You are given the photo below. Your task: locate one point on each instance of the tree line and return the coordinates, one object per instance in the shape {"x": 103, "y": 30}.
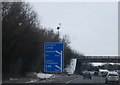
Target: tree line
{"x": 23, "y": 40}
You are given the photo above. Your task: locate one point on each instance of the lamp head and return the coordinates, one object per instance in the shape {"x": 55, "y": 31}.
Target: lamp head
{"x": 58, "y": 28}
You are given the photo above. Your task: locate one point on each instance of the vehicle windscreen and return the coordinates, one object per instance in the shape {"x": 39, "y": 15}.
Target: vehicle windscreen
{"x": 112, "y": 75}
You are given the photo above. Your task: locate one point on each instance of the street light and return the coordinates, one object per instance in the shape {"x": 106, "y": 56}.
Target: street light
{"x": 58, "y": 29}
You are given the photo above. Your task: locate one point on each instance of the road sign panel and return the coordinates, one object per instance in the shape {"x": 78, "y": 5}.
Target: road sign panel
{"x": 53, "y": 57}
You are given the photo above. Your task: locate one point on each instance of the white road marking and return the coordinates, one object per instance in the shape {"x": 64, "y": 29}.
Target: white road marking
{"x": 71, "y": 80}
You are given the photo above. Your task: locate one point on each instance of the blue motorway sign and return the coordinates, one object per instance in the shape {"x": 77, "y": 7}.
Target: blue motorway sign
{"x": 53, "y": 57}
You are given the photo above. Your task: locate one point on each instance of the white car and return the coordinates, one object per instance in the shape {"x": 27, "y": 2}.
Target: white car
{"x": 112, "y": 77}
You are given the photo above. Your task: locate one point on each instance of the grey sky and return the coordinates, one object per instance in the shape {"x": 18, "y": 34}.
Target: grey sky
{"x": 92, "y": 27}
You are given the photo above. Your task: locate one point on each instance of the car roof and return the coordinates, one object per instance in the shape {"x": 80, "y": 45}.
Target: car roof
{"x": 103, "y": 70}
{"x": 112, "y": 72}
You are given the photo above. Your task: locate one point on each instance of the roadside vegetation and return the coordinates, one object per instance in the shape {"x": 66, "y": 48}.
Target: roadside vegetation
{"x": 23, "y": 39}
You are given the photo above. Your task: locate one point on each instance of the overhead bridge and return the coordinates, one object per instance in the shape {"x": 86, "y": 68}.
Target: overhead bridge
{"x": 112, "y": 59}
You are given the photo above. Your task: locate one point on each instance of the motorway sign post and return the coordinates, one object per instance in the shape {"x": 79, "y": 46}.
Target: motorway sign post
{"x": 53, "y": 57}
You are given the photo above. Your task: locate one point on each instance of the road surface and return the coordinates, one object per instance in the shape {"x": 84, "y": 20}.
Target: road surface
{"x": 76, "y": 79}
{"x": 95, "y": 79}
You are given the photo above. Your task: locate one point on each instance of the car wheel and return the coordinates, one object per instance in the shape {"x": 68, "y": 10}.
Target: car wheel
{"x": 106, "y": 82}
{"x": 117, "y": 82}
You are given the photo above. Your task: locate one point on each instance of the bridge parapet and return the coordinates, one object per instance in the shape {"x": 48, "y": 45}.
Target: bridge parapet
{"x": 98, "y": 57}
{"x": 102, "y": 57}
{"x": 114, "y": 59}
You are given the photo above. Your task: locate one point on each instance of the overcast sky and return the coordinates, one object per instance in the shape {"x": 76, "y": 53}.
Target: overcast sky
{"x": 92, "y": 27}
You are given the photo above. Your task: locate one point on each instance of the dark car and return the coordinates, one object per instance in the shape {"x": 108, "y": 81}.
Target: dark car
{"x": 96, "y": 73}
{"x": 87, "y": 75}
{"x": 104, "y": 74}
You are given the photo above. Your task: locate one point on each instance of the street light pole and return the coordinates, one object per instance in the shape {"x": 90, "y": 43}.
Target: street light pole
{"x": 58, "y": 28}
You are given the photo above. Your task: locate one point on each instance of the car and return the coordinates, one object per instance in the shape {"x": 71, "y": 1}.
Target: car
{"x": 112, "y": 77}
{"x": 104, "y": 74}
{"x": 96, "y": 73}
{"x": 87, "y": 75}
{"x": 118, "y": 71}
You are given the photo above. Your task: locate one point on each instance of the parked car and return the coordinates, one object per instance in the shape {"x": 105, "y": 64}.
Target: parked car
{"x": 112, "y": 77}
{"x": 87, "y": 75}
